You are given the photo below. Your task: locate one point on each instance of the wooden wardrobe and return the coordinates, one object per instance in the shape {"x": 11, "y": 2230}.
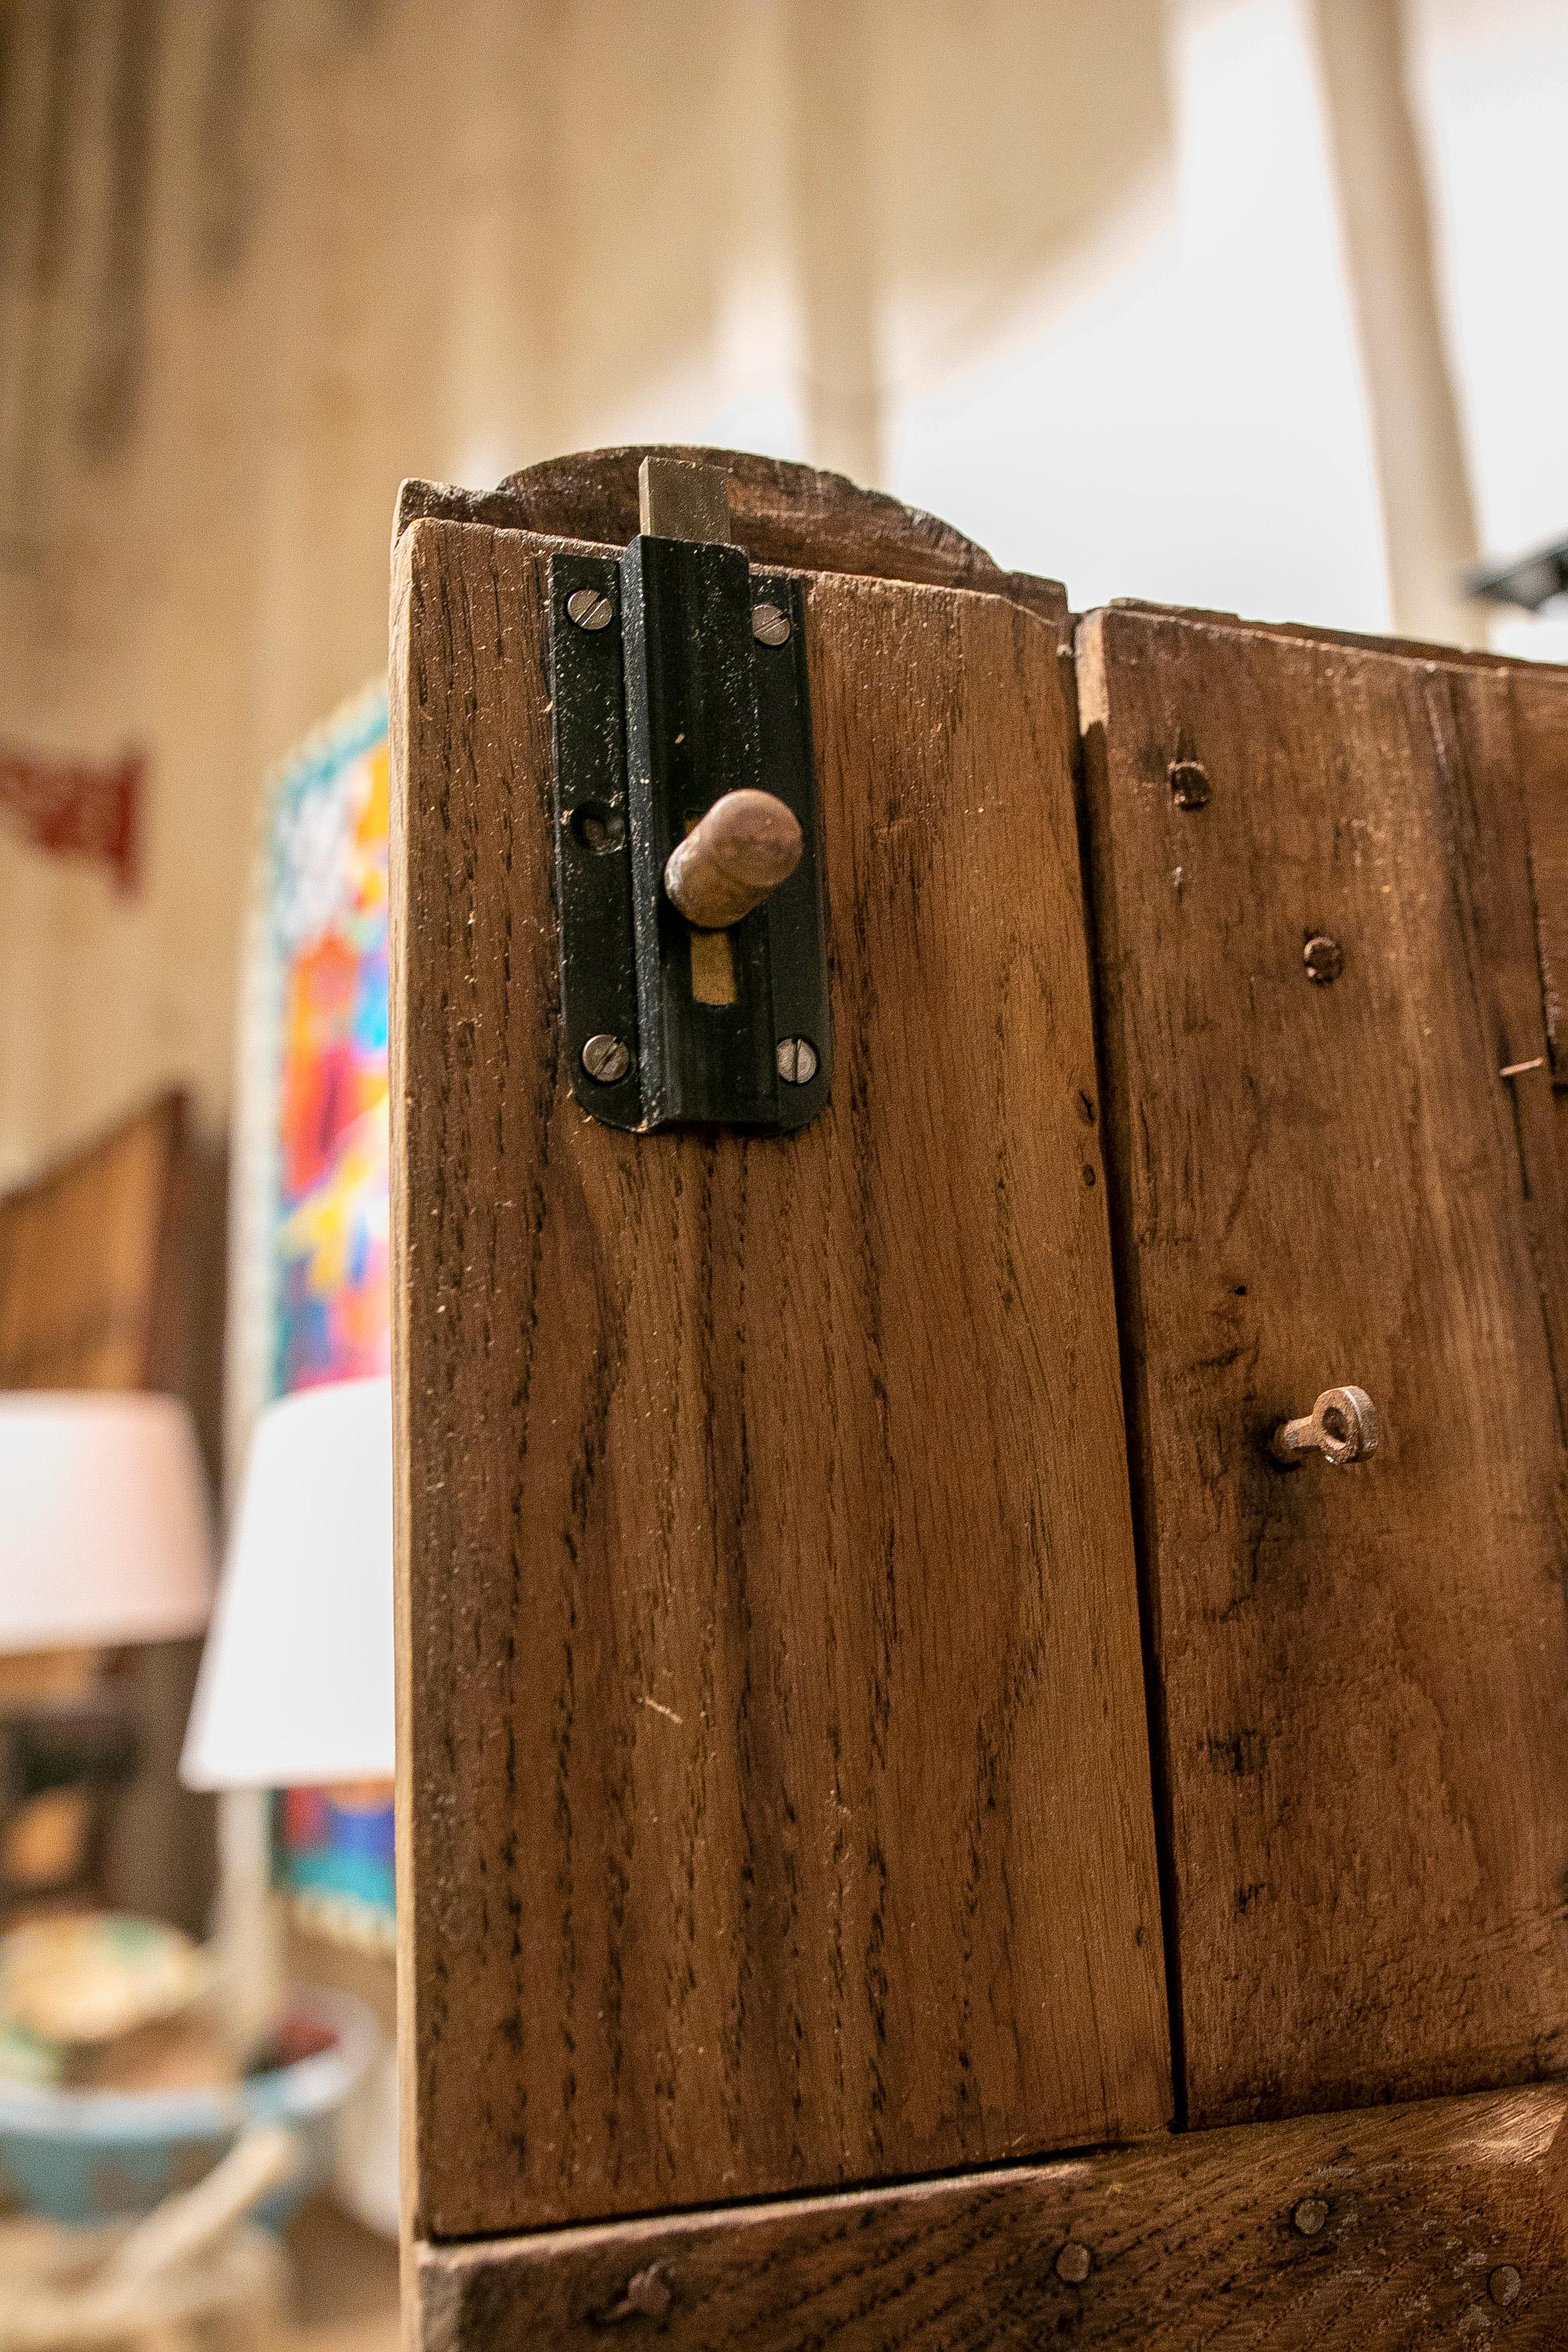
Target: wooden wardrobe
{"x": 925, "y": 1821}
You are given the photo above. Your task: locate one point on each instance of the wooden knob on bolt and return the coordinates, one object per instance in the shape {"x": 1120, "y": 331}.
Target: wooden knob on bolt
{"x": 748, "y": 843}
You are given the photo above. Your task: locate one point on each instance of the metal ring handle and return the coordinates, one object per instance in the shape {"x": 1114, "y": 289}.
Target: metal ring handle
{"x": 1343, "y": 1427}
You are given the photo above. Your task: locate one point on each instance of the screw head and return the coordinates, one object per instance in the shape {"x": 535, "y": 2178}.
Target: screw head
{"x": 796, "y": 1061}
{"x": 1324, "y": 959}
{"x": 1504, "y": 2283}
{"x": 1310, "y": 2215}
{"x": 769, "y": 625}
{"x": 590, "y": 608}
{"x": 606, "y": 1059}
{"x": 1074, "y": 2262}
{"x": 1189, "y": 781}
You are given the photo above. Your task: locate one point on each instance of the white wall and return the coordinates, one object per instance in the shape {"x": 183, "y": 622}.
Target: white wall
{"x": 1176, "y": 410}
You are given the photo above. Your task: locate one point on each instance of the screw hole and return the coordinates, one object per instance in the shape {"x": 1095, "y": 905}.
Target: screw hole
{"x": 599, "y": 828}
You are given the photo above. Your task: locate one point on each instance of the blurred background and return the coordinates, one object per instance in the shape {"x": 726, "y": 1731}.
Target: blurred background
{"x": 1252, "y": 304}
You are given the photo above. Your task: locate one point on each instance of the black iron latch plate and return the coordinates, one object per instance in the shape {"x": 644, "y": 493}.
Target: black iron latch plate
{"x": 668, "y": 700}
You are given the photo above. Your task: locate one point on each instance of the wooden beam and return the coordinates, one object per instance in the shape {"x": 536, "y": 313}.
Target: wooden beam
{"x": 1389, "y": 2231}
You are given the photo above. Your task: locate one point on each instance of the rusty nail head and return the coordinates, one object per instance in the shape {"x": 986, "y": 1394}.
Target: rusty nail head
{"x": 1324, "y": 958}
{"x": 590, "y": 608}
{"x": 1074, "y": 2262}
{"x": 770, "y": 626}
{"x": 1504, "y": 2283}
{"x": 648, "y": 2295}
{"x": 606, "y": 1059}
{"x": 1310, "y": 2215}
{"x": 1189, "y": 781}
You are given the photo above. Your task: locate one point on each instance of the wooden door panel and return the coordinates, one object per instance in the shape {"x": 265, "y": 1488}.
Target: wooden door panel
{"x": 775, "y": 1785}
{"x": 1362, "y": 1675}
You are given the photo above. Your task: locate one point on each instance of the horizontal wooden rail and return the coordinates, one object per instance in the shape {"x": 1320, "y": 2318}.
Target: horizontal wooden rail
{"x": 1393, "y": 2227}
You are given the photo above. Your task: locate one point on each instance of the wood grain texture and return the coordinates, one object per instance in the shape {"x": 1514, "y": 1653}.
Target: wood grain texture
{"x": 775, "y": 1800}
{"x": 1538, "y": 696}
{"x": 89, "y": 1277}
{"x": 1362, "y": 1675}
{"x": 1192, "y": 2247}
{"x": 780, "y": 512}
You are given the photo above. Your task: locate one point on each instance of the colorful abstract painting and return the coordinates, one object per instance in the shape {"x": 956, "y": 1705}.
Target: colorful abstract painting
{"x": 317, "y": 1121}
{"x": 329, "y": 852}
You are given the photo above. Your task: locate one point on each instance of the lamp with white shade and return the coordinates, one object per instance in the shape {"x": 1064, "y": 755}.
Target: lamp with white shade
{"x": 105, "y": 1538}
{"x": 296, "y": 1692}
{"x": 105, "y": 1542}
{"x": 296, "y": 1686}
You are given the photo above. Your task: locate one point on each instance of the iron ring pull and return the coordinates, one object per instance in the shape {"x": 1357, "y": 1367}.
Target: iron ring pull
{"x": 1343, "y": 1427}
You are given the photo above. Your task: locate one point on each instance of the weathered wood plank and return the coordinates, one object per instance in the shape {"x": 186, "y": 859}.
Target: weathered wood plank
{"x": 775, "y": 1805}
{"x": 1539, "y": 696}
{"x": 1362, "y": 1691}
{"x": 1391, "y": 2231}
{"x": 780, "y": 512}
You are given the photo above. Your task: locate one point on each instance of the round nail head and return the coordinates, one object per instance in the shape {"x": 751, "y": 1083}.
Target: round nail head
{"x": 1324, "y": 959}
{"x": 606, "y": 1059}
{"x": 1189, "y": 781}
{"x": 1504, "y": 2283}
{"x": 1074, "y": 2262}
{"x": 1310, "y": 2215}
{"x": 590, "y": 608}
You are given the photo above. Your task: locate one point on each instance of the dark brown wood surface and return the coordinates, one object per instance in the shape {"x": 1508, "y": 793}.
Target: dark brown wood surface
{"x": 781, "y": 513}
{"x": 1539, "y": 696}
{"x": 775, "y": 1790}
{"x": 1393, "y": 2231}
{"x": 1362, "y": 1675}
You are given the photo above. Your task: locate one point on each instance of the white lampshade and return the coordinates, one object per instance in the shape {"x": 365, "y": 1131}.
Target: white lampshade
{"x": 105, "y": 1536}
{"x": 296, "y": 1686}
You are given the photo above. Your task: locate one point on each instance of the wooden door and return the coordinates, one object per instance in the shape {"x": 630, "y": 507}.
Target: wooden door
{"x": 775, "y": 1808}
{"x": 1335, "y": 1162}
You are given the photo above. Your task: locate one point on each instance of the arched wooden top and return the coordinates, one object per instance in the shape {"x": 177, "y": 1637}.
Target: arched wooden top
{"x": 782, "y": 513}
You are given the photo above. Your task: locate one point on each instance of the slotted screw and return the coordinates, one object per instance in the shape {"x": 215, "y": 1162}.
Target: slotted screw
{"x": 769, "y": 625}
{"x": 590, "y": 608}
{"x": 797, "y": 1060}
{"x": 606, "y": 1059}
